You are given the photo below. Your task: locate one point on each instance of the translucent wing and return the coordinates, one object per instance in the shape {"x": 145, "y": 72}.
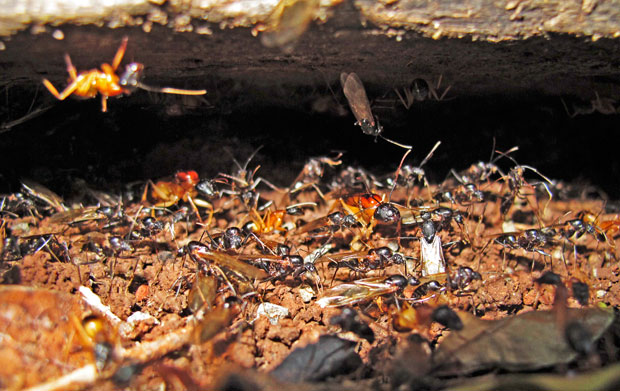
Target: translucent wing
{"x": 358, "y": 101}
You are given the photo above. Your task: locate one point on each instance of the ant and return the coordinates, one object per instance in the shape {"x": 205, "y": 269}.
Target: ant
{"x": 409, "y": 175}
{"x": 482, "y": 171}
{"x": 106, "y": 82}
{"x": 312, "y": 172}
{"x": 186, "y": 186}
{"x": 360, "y": 106}
{"x": 369, "y": 209}
{"x": 281, "y": 264}
{"x": 605, "y": 106}
{"x": 364, "y": 289}
{"x": 243, "y": 183}
{"x": 271, "y": 221}
{"x": 364, "y": 261}
{"x": 420, "y": 90}
{"x": 350, "y": 320}
{"x": 516, "y": 182}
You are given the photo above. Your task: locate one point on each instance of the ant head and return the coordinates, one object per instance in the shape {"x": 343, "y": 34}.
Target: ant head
{"x": 130, "y": 79}
{"x": 387, "y": 213}
{"x": 370, "y": 126}
{"x": 420, "y": 89}
{"x": 207, "y": 188}
{"x": 187, "y": 177}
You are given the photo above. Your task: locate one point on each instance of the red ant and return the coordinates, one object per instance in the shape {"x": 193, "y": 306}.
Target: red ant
{"x": 184, "y": 187}
{"x": 107, "y": 83}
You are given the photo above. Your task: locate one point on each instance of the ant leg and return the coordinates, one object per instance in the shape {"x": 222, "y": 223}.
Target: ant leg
{"x": 118, "y": 57}
{"x": 443, "y": 94}
{"x": 207, "y": 205}
{"x": 104, "y": 103}
{"x": 406, "y": 102}
{"x": 70, "y": 68}
{"x": 65, "y": 93}
{"x": 194, "y": 207}
{"x": 169, "y": 90}
{"x": 269, "y": 184}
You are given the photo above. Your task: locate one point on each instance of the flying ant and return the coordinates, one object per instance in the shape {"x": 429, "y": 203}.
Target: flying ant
{"x": 420, "y": 90}
{"x": 362, "y": 290}
{"x": 185, "y": 186}
{"x": 203, "y": 292}
{"x": 87, "y": 213}
{"x": 358, "y": 101}
{"x": 215, "y": 320}
{"x": 283, "y": 264}
{"x": 431, "y": 252}
{"x": 202, "y": 254}
{"x": 44, "y": 195}
{"x": 330, "y": 224}
{"x": 364, "y": 261}
{"x": 106, "y": 82}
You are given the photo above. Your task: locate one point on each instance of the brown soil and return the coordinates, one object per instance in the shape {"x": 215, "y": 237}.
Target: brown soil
{"x": 154, "y": 278}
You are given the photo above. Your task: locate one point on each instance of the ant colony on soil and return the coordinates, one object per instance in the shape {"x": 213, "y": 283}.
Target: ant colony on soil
{"x": 342, "y": 279}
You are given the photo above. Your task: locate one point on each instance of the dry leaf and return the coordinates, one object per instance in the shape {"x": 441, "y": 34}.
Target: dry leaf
{"x": 526, "y": 341}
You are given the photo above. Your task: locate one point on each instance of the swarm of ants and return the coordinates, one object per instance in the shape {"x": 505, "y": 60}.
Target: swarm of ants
{"x": 178, "y": 277}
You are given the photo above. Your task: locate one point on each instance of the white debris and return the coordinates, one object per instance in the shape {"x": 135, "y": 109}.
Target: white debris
{"x": 273, "y": 312}
{"x": 95, "y": 302}
{"x": 140, "y": 316}
{"x": 306, "y": 293}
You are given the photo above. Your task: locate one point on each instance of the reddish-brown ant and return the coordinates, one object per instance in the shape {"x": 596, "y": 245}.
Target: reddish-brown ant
{"x": 106, "y": 82}
{"x": 184, "y": 187}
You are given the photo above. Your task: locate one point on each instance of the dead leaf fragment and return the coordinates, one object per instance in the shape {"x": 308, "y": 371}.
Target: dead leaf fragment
{"x": 526, "y": 341}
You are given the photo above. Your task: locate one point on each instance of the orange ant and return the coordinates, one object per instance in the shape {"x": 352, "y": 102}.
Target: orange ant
{"x": 271, "y": 221}
{"x": 183, "y": 187}
{"x": 107, "y": 83}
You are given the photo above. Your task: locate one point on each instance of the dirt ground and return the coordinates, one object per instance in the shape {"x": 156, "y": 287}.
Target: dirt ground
{"x": 171, "y": 277}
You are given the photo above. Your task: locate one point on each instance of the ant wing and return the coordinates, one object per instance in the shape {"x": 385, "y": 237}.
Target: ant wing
{"x": 358, "y": 101}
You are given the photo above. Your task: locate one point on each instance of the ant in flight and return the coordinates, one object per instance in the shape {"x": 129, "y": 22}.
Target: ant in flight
{"x": 106, "y": 82}
{"x": 360, "y": 106}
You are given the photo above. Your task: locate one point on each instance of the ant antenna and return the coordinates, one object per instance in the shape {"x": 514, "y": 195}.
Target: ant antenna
{"x": 430, "y": 154}
{"x": 398, "y": 172}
